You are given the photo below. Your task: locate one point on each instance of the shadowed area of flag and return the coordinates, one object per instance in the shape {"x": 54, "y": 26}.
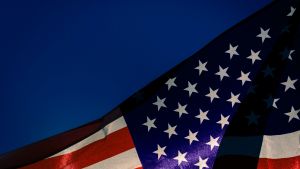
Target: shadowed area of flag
{"x": 263, "y": 133}
{"x": 233, "y": 104}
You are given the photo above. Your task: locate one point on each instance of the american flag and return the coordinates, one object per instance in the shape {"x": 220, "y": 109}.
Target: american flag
{"x": 233, "y": 104}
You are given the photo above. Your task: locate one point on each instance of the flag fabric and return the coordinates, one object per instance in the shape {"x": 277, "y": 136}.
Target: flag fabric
{"x": 233, "y": 104}
{"x": 110, "y": 147}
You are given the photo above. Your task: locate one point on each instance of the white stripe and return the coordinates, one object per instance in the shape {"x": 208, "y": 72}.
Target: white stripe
{"x": 126, "y": 160}
{"x": 281, "y": 146}
{"x": 108, "y": 129}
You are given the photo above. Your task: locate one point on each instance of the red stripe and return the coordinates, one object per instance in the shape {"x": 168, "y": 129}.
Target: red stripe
{"x": 289, "y": 163}
{"x": 115, "y": 143}
{"x": 47, "y": 147}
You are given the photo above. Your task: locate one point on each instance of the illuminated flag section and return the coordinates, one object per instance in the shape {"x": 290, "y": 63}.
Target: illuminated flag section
{"x": 233, "y": 104}
{"x": 110, "y": 147}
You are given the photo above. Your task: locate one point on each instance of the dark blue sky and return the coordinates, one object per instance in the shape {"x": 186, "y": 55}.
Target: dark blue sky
{"x": 66, "y": 63}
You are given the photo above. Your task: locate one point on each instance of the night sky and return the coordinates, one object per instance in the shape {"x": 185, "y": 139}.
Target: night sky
{"x": 66, "y": 63}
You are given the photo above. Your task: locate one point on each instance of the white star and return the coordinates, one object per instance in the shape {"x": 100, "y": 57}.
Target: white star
{"x": 171, "y": 82}
{"x": 290, "y": 54}
{"x": 181, "y": 109}
{"x": 244, "y": 77}
{"x": 180, "y": 157}
{"x": 289, "y": 84}
{"x": 201, "y": 67}
{"x": 171, "y": 130}
{"x": 202, "y": 163}
{"x": 223, "y": 121}
{"x": 222, "y": 73}
{"x": 292, "y": 11}
{"x": 274, "y": 103}
{"x": 160, "y": 151}
{"x": 234, "y": 99}
{"x": 232, "y": 51}
{"x": 160, "y": 103}
{"x": 150, "y": 123}
{"x": 191, "y": 88}
{"x": 202, "y": 116}
{"x": 263, "y": 34}
{"x": 293, "y": 114}
{"x": 254, "y": 56}
{"x": 213, "y": 142}
{"x": 212, "y": 94}
{"x": 192, "y": 137}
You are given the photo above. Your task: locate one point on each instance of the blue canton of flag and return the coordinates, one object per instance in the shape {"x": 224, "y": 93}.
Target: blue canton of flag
{"x": 182, "y": 121}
